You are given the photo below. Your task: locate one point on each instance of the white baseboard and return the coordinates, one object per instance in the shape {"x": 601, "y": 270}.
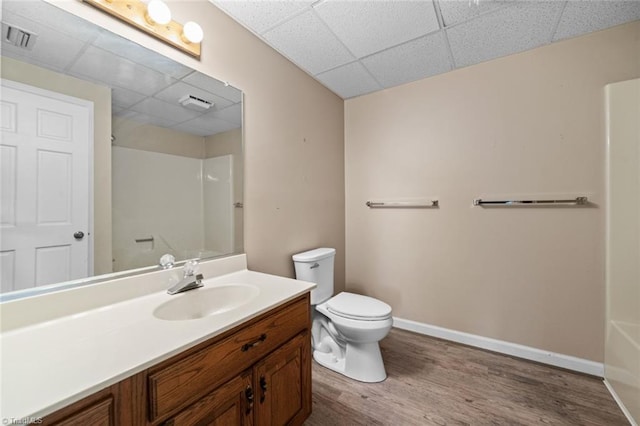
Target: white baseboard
{"x": 620, "y": 404}
{"x": 551, "y": 358}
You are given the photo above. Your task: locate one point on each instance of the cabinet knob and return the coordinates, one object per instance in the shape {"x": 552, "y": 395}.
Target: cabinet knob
{"x": 248, "y": 393}
{"x": 263, "y": 387}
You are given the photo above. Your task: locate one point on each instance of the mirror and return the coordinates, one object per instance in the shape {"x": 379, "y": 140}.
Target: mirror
{"x": 112, "y": 155}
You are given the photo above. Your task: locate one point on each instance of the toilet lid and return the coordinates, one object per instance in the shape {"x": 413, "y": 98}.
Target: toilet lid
{"x": 359, "y": 307}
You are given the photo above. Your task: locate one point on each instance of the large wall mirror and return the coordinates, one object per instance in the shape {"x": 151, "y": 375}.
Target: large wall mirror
{"x": 111, "y": 155}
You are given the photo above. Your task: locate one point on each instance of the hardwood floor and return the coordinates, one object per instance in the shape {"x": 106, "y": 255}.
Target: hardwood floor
{"x": 436, "y": 382}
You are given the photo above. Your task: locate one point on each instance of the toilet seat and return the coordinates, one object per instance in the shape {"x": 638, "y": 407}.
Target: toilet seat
{"x": 358, "y": 307}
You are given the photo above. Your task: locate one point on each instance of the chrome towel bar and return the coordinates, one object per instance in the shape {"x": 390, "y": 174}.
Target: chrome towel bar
{"x": 578, "y": 201}
{"x": 402, "y": 204}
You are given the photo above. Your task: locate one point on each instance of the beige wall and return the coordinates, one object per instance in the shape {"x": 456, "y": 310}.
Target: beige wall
{"x": 231, "y": 143}
{"x": 622, "y": 343}
{"x": 224, "y": 143}
{"x": 528, "y": 125}
{"x": 101, "y": 98}
{"x": 147, "y": 137}
{"x": 293, "y": 135}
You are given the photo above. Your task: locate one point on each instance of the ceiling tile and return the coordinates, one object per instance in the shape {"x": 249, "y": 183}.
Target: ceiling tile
{"x": 116, "y": 71}
{"x": 476, "y": 31}
{"x": 214, "y": 86}
{"x": 308, "y": 43}
{"x": 53, "y": 49}
{"x": 150, "y": 59}
{"x": 261, "y": 16}
{"x": 232, "y": 114}
{"x": 140, "y": 119}
{"x": 366, "y": 27}
{"x": 174, "y": 93}
{"x": 54, "y": 18}
{"x": 580, "y": 17}
{"x": 411, "y": 61}
{"x": 349, "y": 80}
{"x": 129, "y": 115}
{"x": 510, "y": 30}
{"x": 457, "y": 11}
{"x": 158, "y": 121}
{"x": 125, "y": 98}
{"x": 169, "y": 112}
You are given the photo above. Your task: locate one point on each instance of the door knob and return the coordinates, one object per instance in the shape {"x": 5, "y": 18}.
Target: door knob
{"x": 78, "y": 235}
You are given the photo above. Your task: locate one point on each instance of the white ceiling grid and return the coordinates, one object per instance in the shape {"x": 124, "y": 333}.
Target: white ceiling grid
{"x": 145, "y": 86}
{"x": 356, "y": 47}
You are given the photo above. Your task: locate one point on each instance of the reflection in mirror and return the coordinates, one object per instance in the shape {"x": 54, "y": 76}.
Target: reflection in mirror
{"x": 112, "y": 155}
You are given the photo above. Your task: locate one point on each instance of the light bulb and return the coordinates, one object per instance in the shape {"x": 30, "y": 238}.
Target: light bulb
{"x": 158, "y": 12}
{"x": 192, "y": 32}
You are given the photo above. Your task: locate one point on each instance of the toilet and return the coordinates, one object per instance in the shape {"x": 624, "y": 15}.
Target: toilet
{"x": 347, "y": 327}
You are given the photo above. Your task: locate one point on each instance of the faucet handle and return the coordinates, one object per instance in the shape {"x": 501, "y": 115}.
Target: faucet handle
{"x": 190, "y": 268}
{"x": 167, "y": 261}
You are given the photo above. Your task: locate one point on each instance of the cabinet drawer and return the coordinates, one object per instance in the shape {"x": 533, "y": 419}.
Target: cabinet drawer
{"x": 177, "y": 383}
{"x": 227, "y": 405}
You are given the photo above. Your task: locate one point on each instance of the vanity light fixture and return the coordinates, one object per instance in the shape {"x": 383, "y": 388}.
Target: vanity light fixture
{"x": 154, "y": 18}
{"x": 158, "y": 13}
{"x": 192, "y": 32}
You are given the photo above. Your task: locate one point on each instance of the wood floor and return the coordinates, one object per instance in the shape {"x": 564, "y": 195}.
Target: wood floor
{"x": 436, "y": 382}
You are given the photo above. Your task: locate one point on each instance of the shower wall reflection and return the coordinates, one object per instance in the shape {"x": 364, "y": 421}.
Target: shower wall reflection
{"x": 174, "y": 193}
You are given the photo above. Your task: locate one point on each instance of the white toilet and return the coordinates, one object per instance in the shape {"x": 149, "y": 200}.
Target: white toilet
{"x": 347, "y": 327}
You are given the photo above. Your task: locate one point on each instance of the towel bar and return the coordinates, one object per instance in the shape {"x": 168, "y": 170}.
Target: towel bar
{"x": 579, "y": 201}
{"x": 402, "y": 204}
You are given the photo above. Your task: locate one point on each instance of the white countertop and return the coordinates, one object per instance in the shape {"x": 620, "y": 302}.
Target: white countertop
{"x": 51, "y": 364}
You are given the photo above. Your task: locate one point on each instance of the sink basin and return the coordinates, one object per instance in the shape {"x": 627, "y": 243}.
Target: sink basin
{"x": 205, "y": 302}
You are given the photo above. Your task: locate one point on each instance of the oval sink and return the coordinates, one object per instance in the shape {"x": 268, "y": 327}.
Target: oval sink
{"x": 204, "y": 302}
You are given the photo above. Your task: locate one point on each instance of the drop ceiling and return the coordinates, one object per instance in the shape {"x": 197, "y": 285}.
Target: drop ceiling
{"x": 145, "y": 86}
{"x": 355, "y": 47}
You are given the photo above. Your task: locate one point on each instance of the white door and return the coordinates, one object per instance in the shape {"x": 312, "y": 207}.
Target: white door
{"x": 45, "y": 156}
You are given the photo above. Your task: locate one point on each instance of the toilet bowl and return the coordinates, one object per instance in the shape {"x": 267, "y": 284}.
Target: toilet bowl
{"x": 347, "y": 327}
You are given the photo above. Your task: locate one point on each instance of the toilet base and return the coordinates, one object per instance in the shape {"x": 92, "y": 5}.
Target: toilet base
{"x": 363, "y": 362}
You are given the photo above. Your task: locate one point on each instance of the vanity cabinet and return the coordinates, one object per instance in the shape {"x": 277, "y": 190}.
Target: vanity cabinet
{"x": 270, "y": 393}
{"x": 281, "y": 383}
{"x": 258, "y": 373}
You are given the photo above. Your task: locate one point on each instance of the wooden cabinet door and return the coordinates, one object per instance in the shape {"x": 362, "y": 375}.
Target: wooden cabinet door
{"x": 99, "y": 409}
{"x": 282, "y": 382}
{"x": 231, "y": 404}
{"x": 98, "y": 414}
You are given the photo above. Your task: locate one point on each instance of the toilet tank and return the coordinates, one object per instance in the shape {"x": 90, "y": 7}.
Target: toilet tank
{"x": 316, "y": 266}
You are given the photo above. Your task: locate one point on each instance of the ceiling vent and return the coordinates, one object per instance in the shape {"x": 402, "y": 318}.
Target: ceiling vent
{"x": 195, "y": 103}
{"x": 18, "y": 37}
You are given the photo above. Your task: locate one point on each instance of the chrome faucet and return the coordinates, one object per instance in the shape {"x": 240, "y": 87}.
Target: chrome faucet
{"x": 190, "y": 279}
